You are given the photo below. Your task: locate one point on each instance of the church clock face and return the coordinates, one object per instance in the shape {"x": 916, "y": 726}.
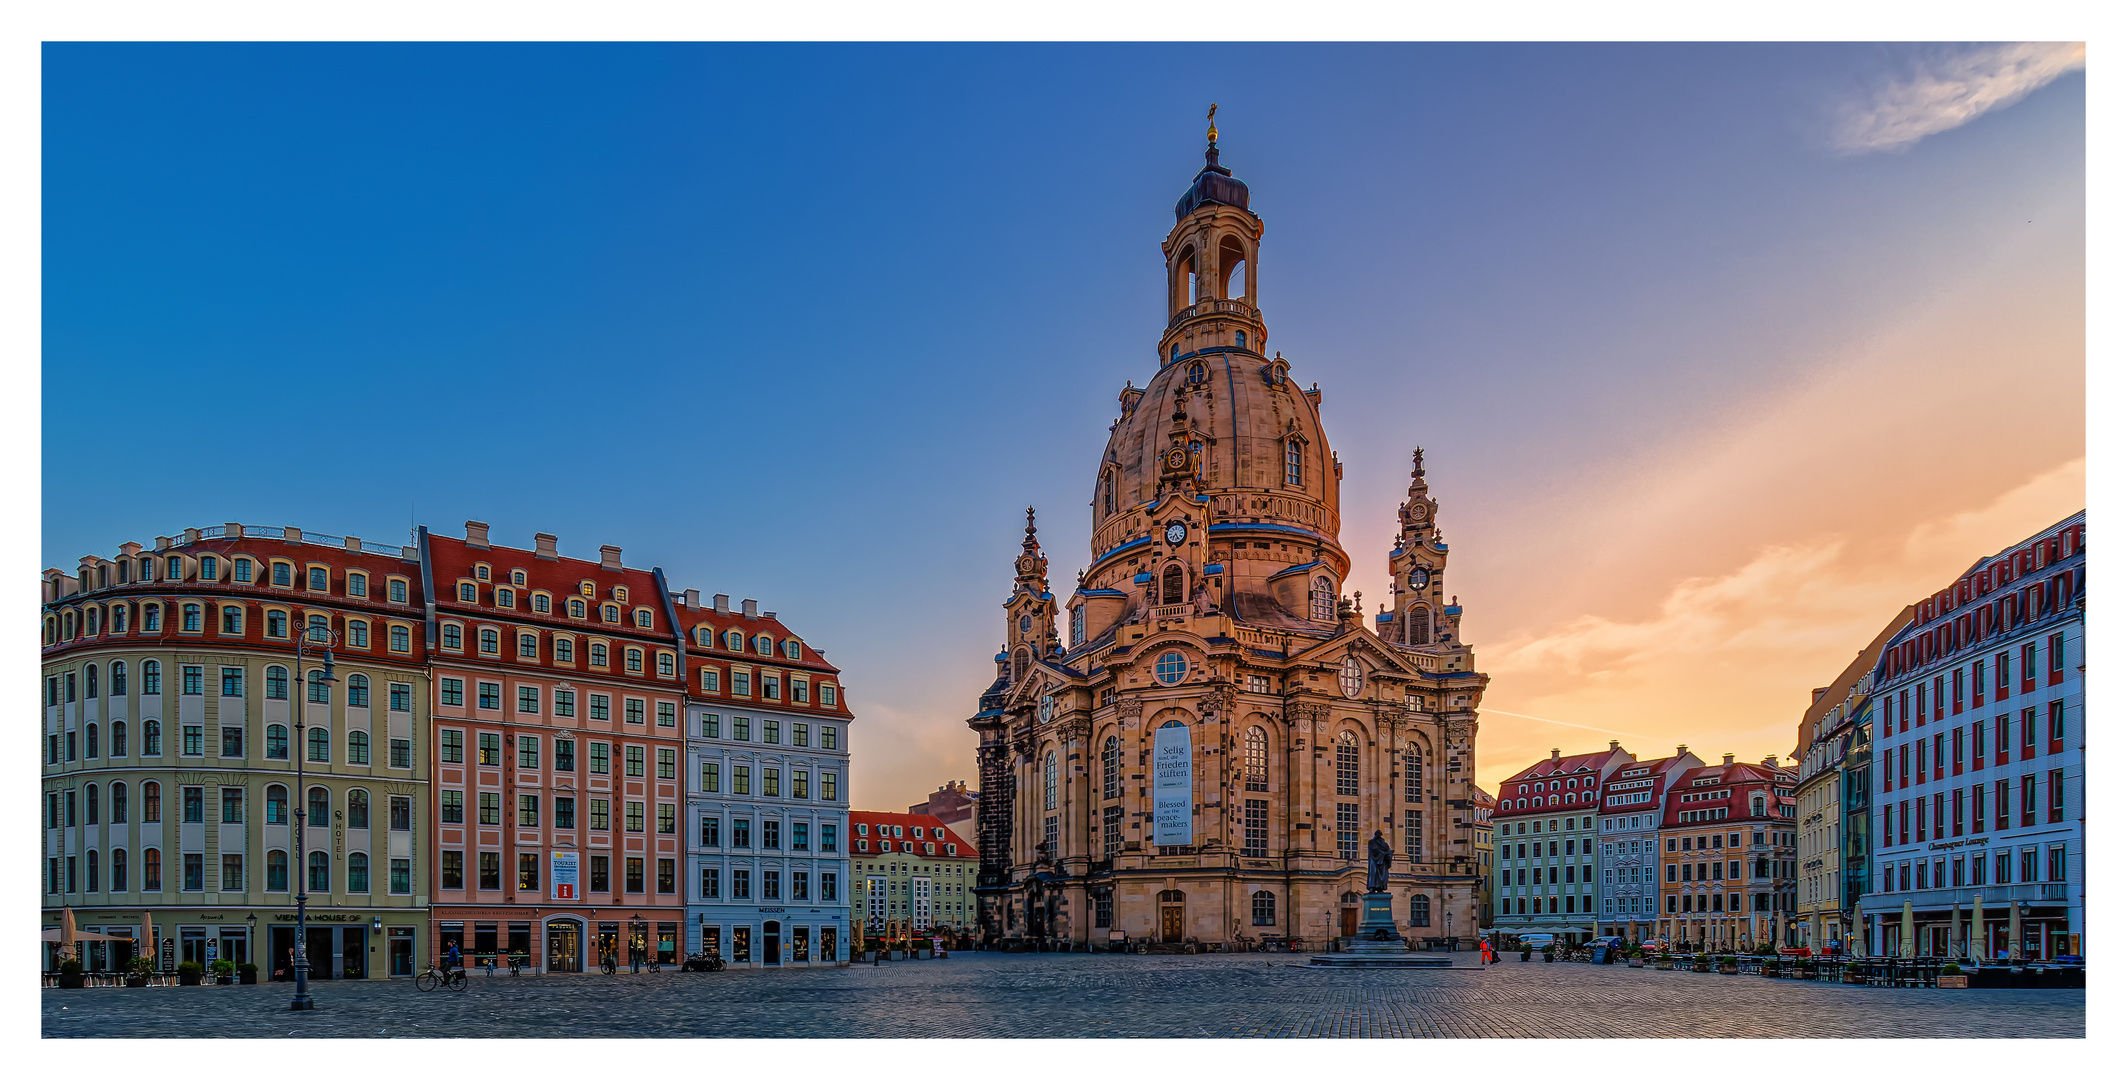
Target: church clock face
{"x": 1419, "y": 577}
{"x": 1026, "y": 623}
{"x": 1177, "y": 459}
{"x": 1176, "y": 533}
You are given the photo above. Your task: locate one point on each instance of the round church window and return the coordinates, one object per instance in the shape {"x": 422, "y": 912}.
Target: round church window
{"x": 1170, "y": 668}
{"x": 1351, "y": 680}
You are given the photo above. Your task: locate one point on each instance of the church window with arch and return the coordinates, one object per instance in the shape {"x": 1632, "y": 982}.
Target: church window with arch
{"x": 1413, "y": 774}
{"x": 1171, "y": 585}
{"x": 1347, "y": 764}
{"x": 1255, "y": 760}
{"x": 1321, "y": 601}
{"x": 1292, "y": 461}
{"x": 1351, "y": 678}
{"x": 1111, "y": 769}
{"x": 1048, "y": 781}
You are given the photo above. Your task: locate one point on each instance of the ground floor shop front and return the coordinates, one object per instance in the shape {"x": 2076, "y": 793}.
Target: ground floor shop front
{"x": 1740, "y": 930}
{"x": 2007, "y": 929}
{"x": 748, "y": 935}
{"x": 340, "y": 943}
{"x": 551, "y": 940}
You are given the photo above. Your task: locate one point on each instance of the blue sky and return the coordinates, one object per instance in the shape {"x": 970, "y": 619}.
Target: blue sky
{"x": 812, "y": 323}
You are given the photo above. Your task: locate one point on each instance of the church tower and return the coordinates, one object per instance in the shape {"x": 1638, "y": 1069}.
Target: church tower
{"x": 1208, "y": 749}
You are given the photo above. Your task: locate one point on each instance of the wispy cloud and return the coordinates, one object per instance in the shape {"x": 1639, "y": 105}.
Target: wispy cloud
{"x": 1948, "y": 89}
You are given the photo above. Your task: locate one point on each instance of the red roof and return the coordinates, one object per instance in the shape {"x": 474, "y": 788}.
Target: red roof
{"x": 1585, "y": 771}
{"x": 934, "y": 832}
{"x": 1737, "y": 782}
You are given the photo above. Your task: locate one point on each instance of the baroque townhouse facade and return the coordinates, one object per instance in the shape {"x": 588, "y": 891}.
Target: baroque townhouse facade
{"x": 1978, "y": 762}
{"x": 1631, "y": 842}
{"x": 1544, "y": 836}
{"x": 915, "y": 878}
{"x": 174, "y": 723}
{"x": 1728, "y": 856}
{"x": 1826, "y": 886}
{"x": 1208, "y": 753}
{"x": 557, "y": 744}
{"x": 768, "y": 732}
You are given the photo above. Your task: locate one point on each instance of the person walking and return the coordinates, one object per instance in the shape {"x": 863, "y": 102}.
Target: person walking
{"x": 451, "y": 961}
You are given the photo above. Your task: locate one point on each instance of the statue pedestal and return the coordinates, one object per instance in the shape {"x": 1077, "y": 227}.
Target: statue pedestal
{"x": 1377, "y": 944}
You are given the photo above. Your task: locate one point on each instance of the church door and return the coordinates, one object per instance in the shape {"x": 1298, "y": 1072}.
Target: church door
{"x": 1351, "y": 922}
{"x": 1171, "y": 901}
{"x": 1170, "y": 924}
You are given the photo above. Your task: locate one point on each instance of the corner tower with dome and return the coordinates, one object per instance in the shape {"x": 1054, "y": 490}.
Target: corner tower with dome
{"x": 1203, "y": 751}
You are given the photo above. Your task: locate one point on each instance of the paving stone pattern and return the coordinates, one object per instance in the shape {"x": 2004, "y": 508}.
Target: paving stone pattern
{"x": 987, "y": 995}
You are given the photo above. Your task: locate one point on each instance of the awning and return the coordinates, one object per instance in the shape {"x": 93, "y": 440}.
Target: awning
{"x": 53, "y": 934}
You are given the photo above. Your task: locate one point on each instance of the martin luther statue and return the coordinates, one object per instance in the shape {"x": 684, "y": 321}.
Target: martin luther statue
{"x": 1378, "y": 856}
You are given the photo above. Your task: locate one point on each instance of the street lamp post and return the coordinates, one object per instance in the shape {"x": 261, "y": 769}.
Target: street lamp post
{"x": 324, "y": 638}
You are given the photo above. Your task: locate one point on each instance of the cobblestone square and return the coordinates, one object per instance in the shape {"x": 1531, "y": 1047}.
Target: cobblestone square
{"x": 986, "y": 995}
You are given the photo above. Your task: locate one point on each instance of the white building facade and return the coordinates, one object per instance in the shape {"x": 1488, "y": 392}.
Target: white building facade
{"x": 767, "y": 794}
{"x": 1979, "y": 762}
{"x": 1631, "y": 842}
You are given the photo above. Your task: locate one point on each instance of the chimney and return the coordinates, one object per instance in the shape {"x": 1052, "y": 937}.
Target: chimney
{"x": 291, "y": 534}
{"x": 721, "y": 603}
{"x": 608, "y": 557}
{"x": 476, "y": 534}
{"x": 1613, "y": 744}
{"x": 1728, "y": 759}
{"x": 1554, "y": 753}
{"x": 694, "y": 598}
{"x": 768, "y": 614}
{"x": 354, "y": 543}
{"x": 232, "y": 531}
{"x": 1771, "y": 762}
{"x": 543, "y": 546}
{"x": 750, "y": 608}
{"x": 1681, "y": 749}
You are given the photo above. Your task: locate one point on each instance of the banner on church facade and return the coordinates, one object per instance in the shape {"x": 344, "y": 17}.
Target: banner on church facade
{"x": 1171, "y": 785}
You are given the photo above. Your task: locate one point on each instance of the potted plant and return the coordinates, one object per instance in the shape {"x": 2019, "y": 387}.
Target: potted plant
{"x": 1953, "y": 977}
{"x": 188, "y": 973}
{"x": 1702, "y": 962}
{"x": 1635, "y": 957}
{"x": 1549, "y": 950}
{"x": 1855, "y": 972}
{"x": 224, "y": 972}
{"x": 1728, "y": 964}
{"x": 138, "y": 971}
{"x": 247, "y": 974}
{"x": 1525, "y": 950}
{"x": 70, "y": 976}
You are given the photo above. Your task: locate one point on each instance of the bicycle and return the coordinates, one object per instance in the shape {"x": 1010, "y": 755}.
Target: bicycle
{"x": 703, "y": 961}
{"x": 608, "y": 964}
{"x": 432, "y": 978}
{"x": 517, "y": 963}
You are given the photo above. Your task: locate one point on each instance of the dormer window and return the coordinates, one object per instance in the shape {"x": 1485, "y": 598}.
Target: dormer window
{"x": 542, "y": 604}
{"x": 620, "y": 593}
{"x": 642, "y": 618}
{"x": 320, "y": 579}
{"x": 610, "y": 612}
{"x": 517, "y": 577}
{"x": 734, "y": 641}
{"x": 505, "y": 598}
{"x": 1292, "y": 461}
{"x": 576, "y": 608}
{"x": 480, "y": 571}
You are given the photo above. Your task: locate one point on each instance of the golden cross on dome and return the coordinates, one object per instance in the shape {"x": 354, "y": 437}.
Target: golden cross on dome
{"x": 1213, "y": 117}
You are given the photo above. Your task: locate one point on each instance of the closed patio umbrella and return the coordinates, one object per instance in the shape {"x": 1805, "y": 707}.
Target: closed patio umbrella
{"x": 1978, "y": 941}
{"x": 1905, "y": 931}
{"x": 2016, "y": 932}
{"x": 67, "y": 948}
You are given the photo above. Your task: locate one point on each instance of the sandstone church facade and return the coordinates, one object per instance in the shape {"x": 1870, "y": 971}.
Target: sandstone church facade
{"x": 1198, "y": 743}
